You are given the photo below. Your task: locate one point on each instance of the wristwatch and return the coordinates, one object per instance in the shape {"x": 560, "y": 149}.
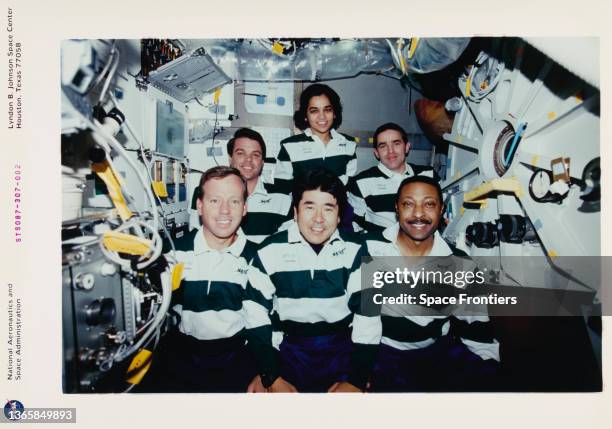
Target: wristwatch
{"x": 267, "y": 380}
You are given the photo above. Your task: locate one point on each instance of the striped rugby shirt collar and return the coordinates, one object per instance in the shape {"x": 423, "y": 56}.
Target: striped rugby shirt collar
{"x": 200, "y": 245}
{"x": 440, "y": 247}
{"x": 259, "y": 189}
{"x": 336, "y": 137}
{"x": 409, "y": 172}
{"x": 295, "y": 236}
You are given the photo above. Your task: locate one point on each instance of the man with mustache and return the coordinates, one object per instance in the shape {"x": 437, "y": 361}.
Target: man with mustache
{"x": 372, "y": 192}
{"x": 428, "y": 352}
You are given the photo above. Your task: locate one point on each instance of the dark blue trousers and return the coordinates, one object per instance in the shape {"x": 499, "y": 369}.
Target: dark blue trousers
{"x": 313, "y": 364}
{"x": 445, "y": 366}
{"x": 185, "y": 364}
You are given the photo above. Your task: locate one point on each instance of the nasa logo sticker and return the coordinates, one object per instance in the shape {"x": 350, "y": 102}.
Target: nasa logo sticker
{"x": 13, "y": 405}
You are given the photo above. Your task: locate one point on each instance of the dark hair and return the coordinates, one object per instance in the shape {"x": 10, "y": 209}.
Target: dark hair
{"x": 219, "y": 172}
{"x": 419, "y": 179}
{"x": 323, "y": 180}
{"x": 386, "y": 127}
{"x": 317, "y": 89}
{"x": 249, "y": 134}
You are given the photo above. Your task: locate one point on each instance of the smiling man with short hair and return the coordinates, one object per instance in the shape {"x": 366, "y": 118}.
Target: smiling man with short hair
{"x": 207, "y": 351}
{"x": 372, "y": 192}
{"x": 428, "y": 352}
{"x": 311, "y": 273}
{"x": 267, "y": 209}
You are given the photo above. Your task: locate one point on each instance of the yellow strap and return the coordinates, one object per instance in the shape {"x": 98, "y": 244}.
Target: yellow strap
{"x": 126, "y": 243}
{"x": 160, "y": 189}
{"x": 481, "y": 201}
{"x": 177, "y": 275}
{"x": 217, "y": 95}
{"x": 413, "y": 45}
{"x": 505, "y": 185}
{"x": 277, "y": 48}
{"x": 139, "y": 366}
{"x": 110, "y": 178}
{"x": 468, "y": 86}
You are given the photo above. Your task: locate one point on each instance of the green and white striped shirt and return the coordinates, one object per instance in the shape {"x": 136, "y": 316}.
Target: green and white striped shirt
{"x": 372, "y": 194}
{"x": 306, "y": 151}
{"x": 417, "y": 332}
{"x": 317, "y": 294}
{"x": 267, "y": 210}
{"x": 215, "y": 295}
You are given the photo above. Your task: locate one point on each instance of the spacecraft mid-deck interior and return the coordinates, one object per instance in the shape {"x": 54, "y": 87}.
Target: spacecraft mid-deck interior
{"x": 511, "y": 126}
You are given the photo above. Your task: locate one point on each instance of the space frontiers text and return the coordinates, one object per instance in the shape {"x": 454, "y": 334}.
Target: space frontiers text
{"x": 440, "y": 280}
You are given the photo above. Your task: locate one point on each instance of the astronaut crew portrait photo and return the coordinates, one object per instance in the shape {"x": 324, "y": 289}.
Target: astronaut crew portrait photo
{"x": 220, "y": 199}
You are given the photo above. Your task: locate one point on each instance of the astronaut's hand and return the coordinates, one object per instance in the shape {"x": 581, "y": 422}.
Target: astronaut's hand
{"x": 343, "y": 387}
{"x": 256, "y": 386}
{"x": 282, "y": 386}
